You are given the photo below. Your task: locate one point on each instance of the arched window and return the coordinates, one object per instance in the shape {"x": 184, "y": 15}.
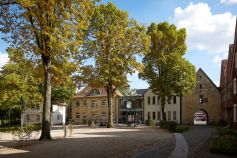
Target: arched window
{"x": 94, "y": 92}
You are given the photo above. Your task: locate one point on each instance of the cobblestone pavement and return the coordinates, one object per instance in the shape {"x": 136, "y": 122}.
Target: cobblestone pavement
{"x": 198, "y": 139}
{"x": 142, "y": 142}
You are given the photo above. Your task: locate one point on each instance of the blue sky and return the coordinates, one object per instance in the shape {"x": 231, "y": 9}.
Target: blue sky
{"x": 210, "y": 28}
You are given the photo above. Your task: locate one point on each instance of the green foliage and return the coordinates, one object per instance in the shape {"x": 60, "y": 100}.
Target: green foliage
{"x": 226, "y": 143}
{"x": 52, "y": 31}
{"x": 112, "y": 42}
{"x": 170, "y": 125}
{"x": 181, "y": 128}
{"x": 91, "y": 123}
{"x": 165, "y": 69}
{"x": 20, "y": 85}
{"x": 150, "y": 123}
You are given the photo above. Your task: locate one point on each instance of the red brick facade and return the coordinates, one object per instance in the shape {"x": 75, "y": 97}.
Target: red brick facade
{"x": 228, "y": 84}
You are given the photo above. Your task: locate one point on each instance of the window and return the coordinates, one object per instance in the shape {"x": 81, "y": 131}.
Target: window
{"x": 154, "y": 100}
{"x": 94, "y": 92}
{"x": 84, "y": 103}
{"x": 168, "y": 100}
{"x": 27, "y": 117}
{"x": 174, "y": 115}
{"x": 158, "y": 100}
{"x": 174, "y": 99}
{"x": 149, "y": 117}
{"x": 234, "y": 86}
{"x": 78, "y": 115}
{"x": 37, "y": 107}
{"x": 200, "y": 76}
{"x": 148, "y": 100}
{"x": 154, "y": 115}
{"x": 84, "y": 115}
{"x": 93, "y": 103}
{"x": 200, "y": 86}
{"x": 103, "y": 114}
{"x": 158, "y": 115}
{"x": 169, "y": 115}
{"x": 58, "y": 117}
{"x": 103, "y": 103}
{"x": 200, "y": 99}
{"x": 94, "y": 116}
{"x": 78, "y": 103}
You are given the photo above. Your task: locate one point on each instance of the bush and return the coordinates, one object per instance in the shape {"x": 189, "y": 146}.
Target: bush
{"x": 225, "y": 144}
{"x": 150, "y": 123}
{"x": 91, "y": 123}
{"x": 181, "y": 128}
{"x": 170, "y": 125}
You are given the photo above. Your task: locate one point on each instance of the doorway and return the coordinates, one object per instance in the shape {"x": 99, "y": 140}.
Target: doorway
{"x": 200, "y": 117}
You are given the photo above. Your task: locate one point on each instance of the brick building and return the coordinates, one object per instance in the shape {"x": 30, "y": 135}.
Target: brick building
{"x": 228, "y": 84}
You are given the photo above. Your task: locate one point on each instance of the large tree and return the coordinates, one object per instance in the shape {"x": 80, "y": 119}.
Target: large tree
{"x": 51, "y": 30}
{"x": 19, "y": 83}
{"x": 113, "y": 41}
{"x": 165, "y": 68}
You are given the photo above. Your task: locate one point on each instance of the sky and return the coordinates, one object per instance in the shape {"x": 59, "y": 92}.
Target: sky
{"x": 210, "y": 26}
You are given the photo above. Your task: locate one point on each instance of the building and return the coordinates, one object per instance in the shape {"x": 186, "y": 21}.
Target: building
{"x": 228, "y": 84}
{"x": 152, "y": 108}
{"x": 33, "y": 115}
{"x": 203, "y": 101}
{"x": 131, "y": 108}
{"x": 58, "y": 115}
{"x": 91, "y": 104}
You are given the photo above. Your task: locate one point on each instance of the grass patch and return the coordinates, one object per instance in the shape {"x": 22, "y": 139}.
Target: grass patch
{"x": 226, "y": 143}
{"x": 181, "y": 128}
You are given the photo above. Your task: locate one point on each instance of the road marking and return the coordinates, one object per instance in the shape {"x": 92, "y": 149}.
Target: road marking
{"x": 181, "y": 147}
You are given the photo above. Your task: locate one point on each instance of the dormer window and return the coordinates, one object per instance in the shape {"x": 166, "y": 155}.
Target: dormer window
{"x": 94, "y": 92}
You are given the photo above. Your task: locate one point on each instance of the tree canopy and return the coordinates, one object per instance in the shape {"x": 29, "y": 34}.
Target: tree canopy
{"x": 50, "y": 30}
{"x": 113, "y": 41}
{"x": 165, "y": 68}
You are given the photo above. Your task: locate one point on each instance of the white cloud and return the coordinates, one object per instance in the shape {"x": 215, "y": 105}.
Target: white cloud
{"x": 3, "y": 59}
{"x": 229, "y": 2}
{"x": 218, "y": 58}
{"x": 206, "y": 31}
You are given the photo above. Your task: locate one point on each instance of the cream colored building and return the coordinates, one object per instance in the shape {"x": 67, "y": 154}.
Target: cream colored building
{"x": 152, "y": 108}
{"x": 91, "y": 104}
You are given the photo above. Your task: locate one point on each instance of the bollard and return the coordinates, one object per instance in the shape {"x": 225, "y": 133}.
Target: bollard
{"x": 65, "y": 131}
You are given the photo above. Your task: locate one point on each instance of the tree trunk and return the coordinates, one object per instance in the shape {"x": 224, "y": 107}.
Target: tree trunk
{"x": 45, "y": 133}
{"x": 163, "y": 108}
{"x": 181, "y": 107}
{"x": 110, "y": 107}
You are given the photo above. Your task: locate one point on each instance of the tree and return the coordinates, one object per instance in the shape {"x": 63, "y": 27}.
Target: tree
{"x": 52, "y": 30}
{"x": 19, "y": 83}
{"x": 165, "y": 69}
{"x": 113, "y": 41}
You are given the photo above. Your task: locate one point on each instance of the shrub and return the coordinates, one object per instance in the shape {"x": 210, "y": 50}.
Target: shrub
{"x": 91, "y": 123}
{"x": 181, "y": 128}
{"x": 85, "y": 122}
{"x": 225, "y": 144}
{"x": 150, "y": 123}
{"x": 170, "y": 125}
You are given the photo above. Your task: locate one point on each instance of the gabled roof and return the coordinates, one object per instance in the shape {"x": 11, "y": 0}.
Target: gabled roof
{"x": 200, "y": 69}
{"x": 86, "y": 92}
{"x": 141, "y": 91}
